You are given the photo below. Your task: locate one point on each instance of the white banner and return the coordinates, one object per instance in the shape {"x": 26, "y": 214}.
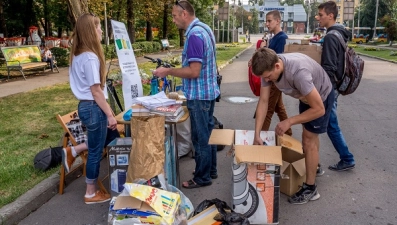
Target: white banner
{"x": 132, "y": 84}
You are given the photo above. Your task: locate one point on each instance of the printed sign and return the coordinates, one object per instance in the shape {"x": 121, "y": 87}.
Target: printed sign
{"x": 132, "y": 84}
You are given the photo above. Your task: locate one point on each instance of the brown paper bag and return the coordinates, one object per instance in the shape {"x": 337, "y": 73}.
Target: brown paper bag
{"x": 147, "y": 152}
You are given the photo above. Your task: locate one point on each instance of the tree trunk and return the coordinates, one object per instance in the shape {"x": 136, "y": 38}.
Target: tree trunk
{"x": 76, "y": 8}
{"x": 181, "y": 36}
{"x": 149, "y": 33}
{"x": 130, "y": 21}
{"x": 3, "y": 27}
{"x": 46, "y": 19}
{"x": 165, "y": 20}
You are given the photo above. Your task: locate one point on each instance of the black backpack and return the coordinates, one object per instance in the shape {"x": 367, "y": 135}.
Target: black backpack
{"x": 354, "y": 68}
{"x": 48, "y": 158}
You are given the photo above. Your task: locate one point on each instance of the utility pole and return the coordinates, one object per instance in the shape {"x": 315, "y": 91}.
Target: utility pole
{"x": 308, "y": 16}
{"x": 359, "y": 9}
{"x": 376, "y": 18}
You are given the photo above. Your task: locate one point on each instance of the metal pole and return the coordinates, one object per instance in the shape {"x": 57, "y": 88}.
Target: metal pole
{"x": 353, "y": 22}
{"x": 376, "y": 18}
{"x": 242, "y": 18}
{"x": 233, "y": 29}
{"x": 228, "y": 19}
{"x": 308, "y": 16}
{"x": 106, "y": 27}
{"x": 359, "y": 9}
{"x": 223, "y": 31}
{"x": 218, "y": 30}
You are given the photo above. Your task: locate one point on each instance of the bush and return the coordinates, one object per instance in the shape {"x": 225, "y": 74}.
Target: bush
{"x": 61, "y": 56}
{"x": 109, "y": 51}
{"x": 393, "y": 53}
{"x": 352, "y": 45}
{"x": 369, "y": 49}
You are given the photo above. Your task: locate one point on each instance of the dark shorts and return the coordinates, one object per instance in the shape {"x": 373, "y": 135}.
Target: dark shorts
{"x": 319, "y": 125}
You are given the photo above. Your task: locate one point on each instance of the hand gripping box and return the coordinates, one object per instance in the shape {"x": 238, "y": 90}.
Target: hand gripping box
{"x": 256, "y": 174}
{"x": 119, "y": 154}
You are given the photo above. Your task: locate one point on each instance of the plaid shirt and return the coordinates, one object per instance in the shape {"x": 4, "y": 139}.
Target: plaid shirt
{"x": 205, "y": 86}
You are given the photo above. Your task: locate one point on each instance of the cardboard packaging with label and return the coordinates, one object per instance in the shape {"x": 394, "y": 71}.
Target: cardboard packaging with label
{"x": 119, "y": 153}
{"x": 312, "y": 50}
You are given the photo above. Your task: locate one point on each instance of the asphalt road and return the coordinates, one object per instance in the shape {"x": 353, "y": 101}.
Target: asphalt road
{"x": 365, "y": 195}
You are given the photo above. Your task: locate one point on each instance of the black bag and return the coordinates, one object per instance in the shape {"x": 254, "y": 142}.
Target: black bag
{"x": 48, "y": 158}
{"x": 218, "y": 125}
{"x": 227, "y": 218}
{"x": 354, "y": 68}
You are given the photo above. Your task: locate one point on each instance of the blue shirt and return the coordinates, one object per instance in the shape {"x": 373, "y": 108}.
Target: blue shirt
{"x": 199, "y": 47}
{"x": 278, "y": 42}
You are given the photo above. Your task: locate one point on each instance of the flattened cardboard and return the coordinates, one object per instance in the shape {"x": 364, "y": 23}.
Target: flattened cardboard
{"x": 313, "y": 51}
{"x": 222, "y": 137}
{"x": 258, "y": 154}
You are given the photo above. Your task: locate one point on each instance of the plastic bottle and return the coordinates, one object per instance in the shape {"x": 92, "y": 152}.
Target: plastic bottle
{"x": 154, "y": 86}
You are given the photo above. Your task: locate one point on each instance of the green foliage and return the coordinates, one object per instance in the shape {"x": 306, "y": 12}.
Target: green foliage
{"x": 370, "y": 49}
{"x": 109, "y": 51}
{"x": 352, "y": 45}
{"x": 61, "y": 56}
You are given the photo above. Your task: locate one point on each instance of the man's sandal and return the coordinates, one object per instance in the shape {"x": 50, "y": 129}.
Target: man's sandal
{"x": 191, "y": 184}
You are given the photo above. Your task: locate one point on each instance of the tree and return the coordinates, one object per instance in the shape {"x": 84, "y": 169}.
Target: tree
{"x": 76, "y": 8}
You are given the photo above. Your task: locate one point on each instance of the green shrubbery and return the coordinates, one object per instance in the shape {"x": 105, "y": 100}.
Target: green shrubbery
{"x": 61, "y": 56}
{"x": 370, "y": 49}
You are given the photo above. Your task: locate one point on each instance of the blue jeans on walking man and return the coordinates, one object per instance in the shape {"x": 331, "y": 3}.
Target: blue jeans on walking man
{"x": 336, "y": 136}
{"x": 202, "y": 122}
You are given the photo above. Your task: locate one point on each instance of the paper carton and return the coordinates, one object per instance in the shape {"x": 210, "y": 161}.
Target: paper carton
{"x": 119, "y": 154}
{"x": 206, "y": 217}
{"x": 313, "y": 51}
{"x": 256, "y": 174}
{"x": 293, "y": 169}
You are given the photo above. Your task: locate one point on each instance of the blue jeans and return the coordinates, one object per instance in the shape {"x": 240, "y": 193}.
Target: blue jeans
{"x": 336, "y": 136}
{"x": 202, "y": 122}
{"x": 92, "y": 116}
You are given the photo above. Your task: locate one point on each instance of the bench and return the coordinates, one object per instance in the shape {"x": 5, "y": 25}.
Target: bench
{"x": 166, "y": 44}
{"x": 22, "y": 58}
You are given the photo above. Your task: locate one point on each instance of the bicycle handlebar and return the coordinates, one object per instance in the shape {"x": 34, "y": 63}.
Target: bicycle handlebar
{"x": 159, "y": 62}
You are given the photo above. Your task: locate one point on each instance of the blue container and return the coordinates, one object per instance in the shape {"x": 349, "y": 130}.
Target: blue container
{"x": 154, "y": 86}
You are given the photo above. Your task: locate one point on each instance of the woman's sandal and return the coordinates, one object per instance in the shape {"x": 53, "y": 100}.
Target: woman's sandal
{"x": 191, "y": 184}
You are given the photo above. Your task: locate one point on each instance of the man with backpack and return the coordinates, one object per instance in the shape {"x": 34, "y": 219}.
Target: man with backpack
{"x": 333, "y": 62}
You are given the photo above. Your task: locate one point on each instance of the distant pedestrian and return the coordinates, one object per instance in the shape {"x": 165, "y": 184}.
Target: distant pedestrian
{"x": 333, "y": 62}
{"x": 46, "y": 56}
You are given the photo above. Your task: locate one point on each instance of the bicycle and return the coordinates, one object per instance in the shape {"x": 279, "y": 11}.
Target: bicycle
{"x": 168, "y": 84}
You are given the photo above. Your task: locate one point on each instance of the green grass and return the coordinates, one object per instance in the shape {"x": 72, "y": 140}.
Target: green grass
{"x": 28, "y": 124}
{"x": 380, "y": 53}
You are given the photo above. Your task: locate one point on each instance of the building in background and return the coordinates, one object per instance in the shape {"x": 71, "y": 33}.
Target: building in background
{"x": 293, "y": 17}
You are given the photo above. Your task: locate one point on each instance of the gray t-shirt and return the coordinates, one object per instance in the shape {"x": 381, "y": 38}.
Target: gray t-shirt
{"x": 301, "y": 74}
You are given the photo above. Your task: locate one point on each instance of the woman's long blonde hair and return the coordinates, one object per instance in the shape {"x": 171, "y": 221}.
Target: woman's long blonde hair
{"x": 85, "y": 39}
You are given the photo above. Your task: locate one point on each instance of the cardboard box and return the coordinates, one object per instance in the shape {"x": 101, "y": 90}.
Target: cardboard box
{"x": 206, "y": 217}
{"x": 256, "y": 174}
{"x": 313, "y": 51}
{"x": 119, "y": 154}
{"x": 293, "y": 169}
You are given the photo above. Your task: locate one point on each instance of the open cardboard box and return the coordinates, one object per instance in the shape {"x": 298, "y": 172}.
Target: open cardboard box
{"x": 293, "y": 169}
{"x": 259, "y": 167}
{"x": 313, "y": 51}
{"x": 128, "y": 208}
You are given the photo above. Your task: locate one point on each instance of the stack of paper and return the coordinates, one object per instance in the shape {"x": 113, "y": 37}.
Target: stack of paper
{"x": 154, "y": 101}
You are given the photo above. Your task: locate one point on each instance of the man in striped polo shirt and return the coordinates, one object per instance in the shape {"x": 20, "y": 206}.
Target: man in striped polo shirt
{"x": 198, "y": 75}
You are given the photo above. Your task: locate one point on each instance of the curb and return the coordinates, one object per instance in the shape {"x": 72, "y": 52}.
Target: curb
{"x": 375, "y": 57}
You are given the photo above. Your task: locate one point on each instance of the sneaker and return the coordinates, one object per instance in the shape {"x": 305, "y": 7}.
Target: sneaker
{"x": 98, "y": 198}
{"x": 319, "y": 171}
{"x": 342, "y": 166}
{"x": 67, "y": 158}
{"x": 304, "y": 195}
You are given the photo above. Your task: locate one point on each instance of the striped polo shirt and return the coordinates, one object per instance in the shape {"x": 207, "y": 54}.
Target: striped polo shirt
{"x": 199, "y": 48}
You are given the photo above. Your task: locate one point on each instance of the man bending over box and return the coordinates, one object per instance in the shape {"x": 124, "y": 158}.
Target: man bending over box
{"x": 300, "y": 77}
